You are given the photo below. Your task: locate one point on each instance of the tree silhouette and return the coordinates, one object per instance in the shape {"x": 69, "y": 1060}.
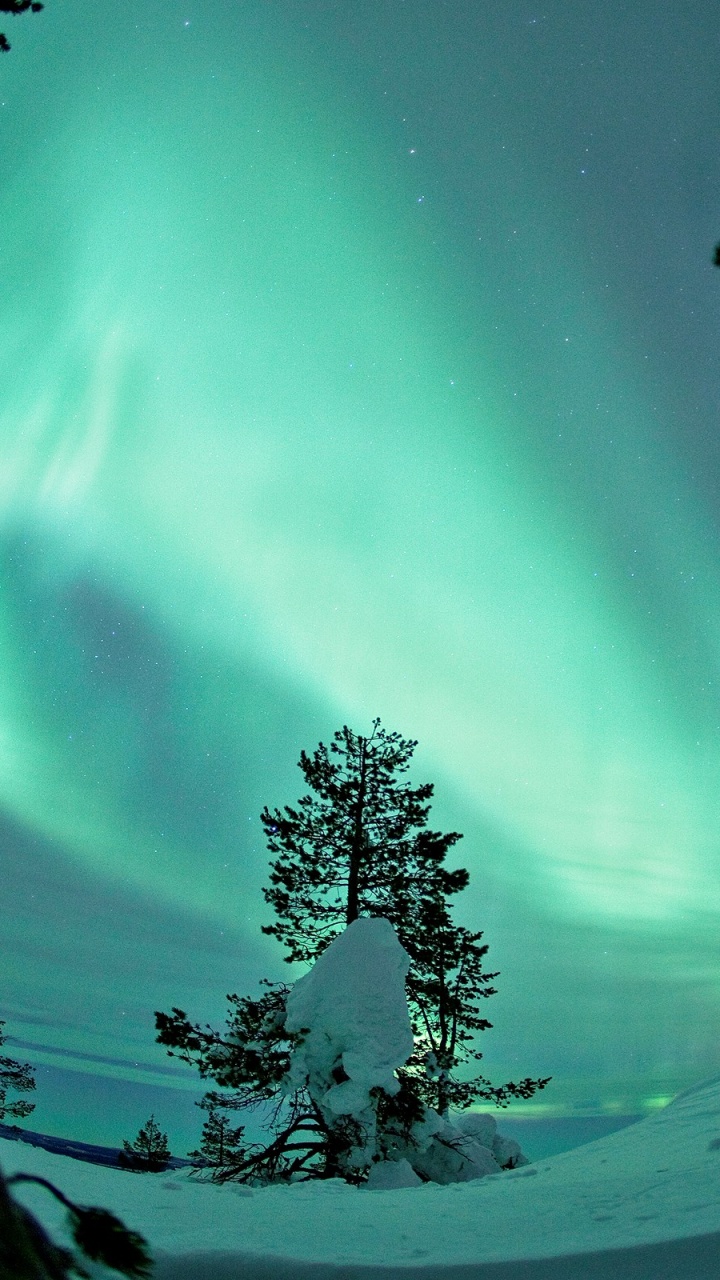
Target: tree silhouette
{"x": 221, "y": 1145}
{"x": 357, "y": 844}
{"x": 18, "y": 1076}
{"x": 15, "y": 7}
{"x": 149, "y": 1153}
{"x": 27, "y": 1252}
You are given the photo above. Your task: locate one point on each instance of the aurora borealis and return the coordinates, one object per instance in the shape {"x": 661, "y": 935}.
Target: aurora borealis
{"x": 362, "y": 360}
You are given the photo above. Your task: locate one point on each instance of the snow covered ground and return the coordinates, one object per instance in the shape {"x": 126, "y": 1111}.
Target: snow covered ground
{"x": 641, "y": 1204}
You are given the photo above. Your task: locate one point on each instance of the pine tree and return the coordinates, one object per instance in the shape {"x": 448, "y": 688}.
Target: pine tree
{"x": 445, "y": 986}
{"x": 359, "y": 844}
{"x": 252, "y": 1058}
{"x": 221, "y": 1145}
{"x": 18, "y": 1076}
{"x": 149, "y": 1153}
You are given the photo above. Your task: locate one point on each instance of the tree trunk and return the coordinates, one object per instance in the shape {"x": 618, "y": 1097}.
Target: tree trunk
{"x": 357, "y": 847}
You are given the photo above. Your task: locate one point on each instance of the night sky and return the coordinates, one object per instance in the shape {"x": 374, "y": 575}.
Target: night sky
{"x": 359, "y": 359}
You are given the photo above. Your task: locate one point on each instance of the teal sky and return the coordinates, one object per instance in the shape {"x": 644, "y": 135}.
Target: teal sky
{"x": 361, "y": 364}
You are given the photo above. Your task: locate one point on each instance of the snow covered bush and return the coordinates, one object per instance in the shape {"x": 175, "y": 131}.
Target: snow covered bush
{"x": 436, "y": 1149}
{"x": 351, "y": 1015}
{"x": 336, "y": 1043}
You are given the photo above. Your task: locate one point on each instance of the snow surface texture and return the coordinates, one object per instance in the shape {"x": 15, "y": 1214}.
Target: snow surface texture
{"x": 641, "y": 1204}
{"x": 354, "y": 1006}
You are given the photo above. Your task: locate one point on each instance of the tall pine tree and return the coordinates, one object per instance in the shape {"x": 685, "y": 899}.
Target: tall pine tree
{"x": 358, "y": 843}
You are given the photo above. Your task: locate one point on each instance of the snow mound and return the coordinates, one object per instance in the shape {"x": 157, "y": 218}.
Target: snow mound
{"x": 461, "y": 1150}
{"x": 452, "y": 1157}
{"x": 507, "y": 1152}
{"x": 353, "y": 1007}
{"x": 391, "y": 1175}
{"x": 480, "y": 1125}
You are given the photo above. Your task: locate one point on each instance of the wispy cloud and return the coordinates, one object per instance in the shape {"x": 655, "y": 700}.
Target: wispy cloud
{"x": 102, "y": 1059}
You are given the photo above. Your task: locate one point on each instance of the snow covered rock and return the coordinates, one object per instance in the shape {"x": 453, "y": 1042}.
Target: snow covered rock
{"x": 353, "y": 1008}
{"x": 454, "y": 1158}
{"x": 480, "y": 1125}
{"x": 391, "y": 1175}
{"x": 507, "y": 1152}
{"x": 351, "y": 1011}
{"x": 467, "y": 1148}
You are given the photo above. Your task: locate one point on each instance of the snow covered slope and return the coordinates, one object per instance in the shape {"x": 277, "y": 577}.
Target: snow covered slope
{"x": 641, "y": 1204}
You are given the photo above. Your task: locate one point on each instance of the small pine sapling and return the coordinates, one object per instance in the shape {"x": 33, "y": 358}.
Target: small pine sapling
{"x": 221, "y": 1144}
{"x": 149, "y": 1153}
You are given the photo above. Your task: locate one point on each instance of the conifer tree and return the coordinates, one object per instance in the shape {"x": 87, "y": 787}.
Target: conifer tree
{"x": 221, "y": 1145}
{"x": 357, "y": 843}
{"x": 149, "y": 1153}
{"x": 18, "y": 1076}
{"x": 252, "y": 1058}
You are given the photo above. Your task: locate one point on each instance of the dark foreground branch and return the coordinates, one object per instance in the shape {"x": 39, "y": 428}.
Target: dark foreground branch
{"x": 28, "y": 1253}
{"x": 14, "y": 7}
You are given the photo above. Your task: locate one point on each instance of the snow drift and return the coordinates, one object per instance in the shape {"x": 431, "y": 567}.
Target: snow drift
{"x": 641, "y": 1204}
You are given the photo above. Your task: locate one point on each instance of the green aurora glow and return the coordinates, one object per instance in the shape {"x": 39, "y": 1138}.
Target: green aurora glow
{"x": 276, "y": 455}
